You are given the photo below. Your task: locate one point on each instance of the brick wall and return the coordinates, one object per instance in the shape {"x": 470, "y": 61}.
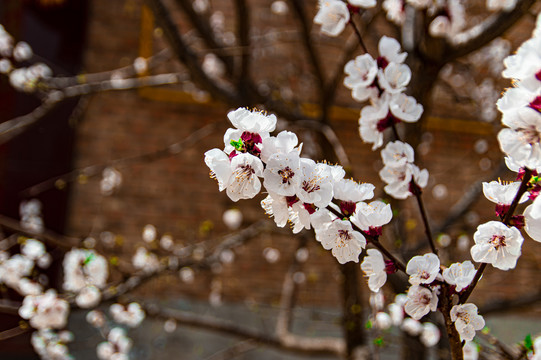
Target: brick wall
{"x": 177, "y": 196}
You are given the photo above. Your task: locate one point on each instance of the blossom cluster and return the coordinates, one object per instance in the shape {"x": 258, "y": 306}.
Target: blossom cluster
{"x": 300, "y": 191}
{"x": 402, "y": 176}
{"x": 85, "y": 273}
{"x": 11, "y": 55}
{"x": 382, "y": 81}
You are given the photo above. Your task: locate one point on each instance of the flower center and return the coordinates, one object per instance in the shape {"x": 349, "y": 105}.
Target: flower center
{"x": 498, "y": 241}
{"x": 286, "y": 174}
{"x": 310, "y": 185}
{"x": 243, "y": 173}
{"x": 530, "y": 135}
{"x": 343, "y": 237}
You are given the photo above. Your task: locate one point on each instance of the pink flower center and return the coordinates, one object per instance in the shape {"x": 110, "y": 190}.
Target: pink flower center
{"x": 498, "y": 241}
{"x": 286, "y": 174}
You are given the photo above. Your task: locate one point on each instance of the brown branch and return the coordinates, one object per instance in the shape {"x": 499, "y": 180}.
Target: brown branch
{"x": 186, "y": 55}
{"x": 305, "y": 346}
{"x": 243, "y": 32}
{"x": 48, "y": 236}
{"x": 93, "y": 170}
{"x": 331, "y": 137}
{"x": 300, "y": 13}
{"x": 123, "y": 72}
{"x": 227, "y": 242}
{"x": 11, "y": 128}
{"x": 233, "y": 351}
{"x": 14, "y": 127}
{"x": 480, "y": 35}
{"x": 204, "y": 29}
{"x": 11, "y": 333}
{"x": 9, "y": 307}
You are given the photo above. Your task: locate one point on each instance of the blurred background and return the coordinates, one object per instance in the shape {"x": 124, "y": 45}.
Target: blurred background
{"x": 227, "y": 54}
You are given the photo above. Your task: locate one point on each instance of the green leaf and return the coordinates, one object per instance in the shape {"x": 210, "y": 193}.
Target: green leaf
{"x": 89, "y": 258}
{"x": 368, "y": 324}
{"x": 528, "y": 342}
{"x": 238, "y": 145}
{"x": 379, "y": 341}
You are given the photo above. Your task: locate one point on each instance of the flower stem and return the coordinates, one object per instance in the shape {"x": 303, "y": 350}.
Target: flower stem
{"x": 428, "y": 232}
{"x": 358, "y": 33}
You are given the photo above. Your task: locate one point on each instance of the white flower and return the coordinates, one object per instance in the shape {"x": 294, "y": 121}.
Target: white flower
{"x": 470, "y": 351}
{"x": 283, "y": 143}
{"x": 502, "y": 194}
{"x": 420, "y": 4}
{"x": 497, "y": 244}
{"x": 45, "y": 311}
{"x": 397, "y": 153}
{"x": 220, "y": 167}
{"x": 394, "y": 78}
{"x": 372, "y": 216}
{"x": 146, "y": 261}
{"x": 252, "y": 121}
{"x": 346, "y": 244}
{"x": 332, "y": 15}
{"x": 349, "y": 190}
{"x": 399, "y": 180}
{"x": 15, "y": 268}
{"x": 440, "y": 26}
{"x": 389, "y": 49}
{"x": 84, "y": 267}
{"x": 373, "y": 266}
{"x": 532, "y": 219}
{"x": 282, "y": 174}
{"x": 111, "y": 180}
{"x": 131, "y": 315}
{"x": 525, "y": 63}
{"x": 29, "y": 287}
{"x": 420, "y": 302}
{"x": 116, "y": 347}
{"x": 522, "y": 140}
{"x": 430, "y": 335}
{"x": 276, "y": 206}
{"x": 395, "y": 11}
{"x": 459, "y": 274}
{"x": 397, "y": 313}
{"x": 467, "y": 320}
{"x": 405, "y": 108}
{"x": 361, "y": 72}
{"x": 383, "y": 320}
{"x": 496, "y": 5}
{"x": 370, "y": 128}
{"x": 88, "y": 297}
{"x": 423, "y": 269}
{"x": 316, "y": 184}
{"x": 244, "y": 182}
{"x": 213, "y": 66}
{"x": 251, "y": 128}
{"x": 412, "y": 327}
{"x": 363, "y": 3}
{"x": 51, "y": 345}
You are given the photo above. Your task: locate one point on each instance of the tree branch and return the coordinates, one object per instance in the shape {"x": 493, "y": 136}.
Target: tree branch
{"x": 94, "y": 170}
{"x": 203, "y": 28}
{"x": 480, "y": 35}
{"x": 307, "y": 346}
{"x": 48, "y": 236}
{"x": 185, "y": 54}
